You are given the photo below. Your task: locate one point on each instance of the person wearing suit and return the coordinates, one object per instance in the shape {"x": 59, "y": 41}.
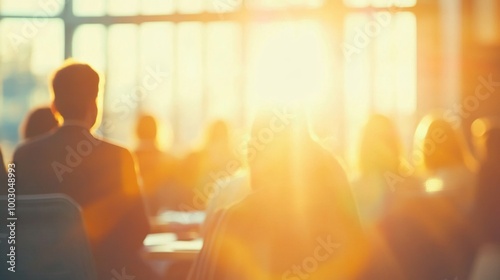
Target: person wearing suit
{"x": 98, "y": 175}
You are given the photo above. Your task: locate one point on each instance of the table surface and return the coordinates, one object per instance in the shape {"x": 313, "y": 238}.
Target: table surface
{"x": 177, "y": 221}
{"x": 164, "y": 242}
{"x": 167, "y": 246}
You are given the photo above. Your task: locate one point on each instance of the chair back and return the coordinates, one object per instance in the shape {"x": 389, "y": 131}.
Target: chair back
{"x": 50, "y": 239}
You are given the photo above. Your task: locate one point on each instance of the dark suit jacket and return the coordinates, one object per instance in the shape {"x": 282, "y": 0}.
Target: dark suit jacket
{"x": 101, "y": 177}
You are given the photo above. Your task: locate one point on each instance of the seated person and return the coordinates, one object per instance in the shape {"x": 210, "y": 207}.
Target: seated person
{"x": 429, "y": 233}
{"x": 300, "y": 221}
{"x": 487, "y": 204}
{"x": 38, "y": 122}
{"x": 227, "y": 192}
{"x": 380, "y": 165}
{"x": 98, "y": 175}
{"x": 204, "y": 166}
{"x": 157, "y": 169}
{"x": 446, "y": 165}
{"x": 3, "y": 174}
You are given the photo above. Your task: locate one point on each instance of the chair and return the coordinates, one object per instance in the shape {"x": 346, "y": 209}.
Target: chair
{"x": 51, "y": 241}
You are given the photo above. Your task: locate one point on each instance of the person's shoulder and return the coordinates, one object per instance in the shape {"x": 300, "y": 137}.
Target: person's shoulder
{"x": 331, "y": 164}
{"x": 28, "y": 147}
{"x": 106, "y": 144}
{"x": 111, "y": 146}
{"x": 243, "y": 209}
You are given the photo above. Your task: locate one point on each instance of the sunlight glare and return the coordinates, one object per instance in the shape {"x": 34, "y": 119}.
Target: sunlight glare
{"x": 433, "y": 185}
{"x": 287, "y": 62}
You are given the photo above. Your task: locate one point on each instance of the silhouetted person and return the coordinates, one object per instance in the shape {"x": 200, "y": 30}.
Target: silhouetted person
{"x": 429, "y": 232}
{"x": 157, "y": 169}
{"x": 486, "y": 132}
{"x": 38, "y": 122}
{"x": 381, "y": 168}
{"x": 487, "y": 205}
{"x": 446, "y": 163}
{"x": 227, "y": 192}
{"x": 3, "y": 174}
{"x": 98, "y": 175}
{"x": 201, "y": 169}
{"x": 300, "y": 221}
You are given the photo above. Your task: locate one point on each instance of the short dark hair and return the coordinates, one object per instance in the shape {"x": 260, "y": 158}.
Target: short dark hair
{"x": 75, "y": 87}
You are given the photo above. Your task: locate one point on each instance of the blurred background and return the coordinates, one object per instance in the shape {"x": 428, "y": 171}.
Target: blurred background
{"x": 190, "y": 62}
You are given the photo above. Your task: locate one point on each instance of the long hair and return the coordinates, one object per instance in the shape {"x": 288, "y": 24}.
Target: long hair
{"x": 439, "y": 145}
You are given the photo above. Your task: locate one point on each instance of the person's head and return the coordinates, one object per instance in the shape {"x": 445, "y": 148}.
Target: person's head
{"x": 492, "y": 144}
{"x": 75, "y": 87}
{"x": 146, "y": 128}
{"x": 38, "y": 122}
{"x": 380, "y": 149}
{"x": 438, "y": 145}
{"x": 217, "y": 133}
{"x": 486, "y": 133}
{"x": 277, "y": 147}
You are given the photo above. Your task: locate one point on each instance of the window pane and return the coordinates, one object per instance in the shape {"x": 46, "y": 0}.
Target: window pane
{"x": 287, "y": 62}
{"x": 24, "y": 72}
{"x": 94, "y": 53}
{"x": 156, "y": 75}
{"x": 404, "y": 44}
{"x": 191, "y": 6}
{"x": 122, "y": 96}
{"x": 38, "y": 8}
{"x": 357, "y": 83}
{"x": 380, "y": 3}
{"x": 380, "y": 52}
{"x": 154, "y": 7}
{"x": 223, "y": 70}
{"x": 190, "y": 99}
{"x": 123, "y": 7}
{"x": 89, "y": 7}
{"x": 280, "y": 4}
{"x": 47, "y": 50}
{"x": 394, "y": 54}
{"x": 223, "y": 6}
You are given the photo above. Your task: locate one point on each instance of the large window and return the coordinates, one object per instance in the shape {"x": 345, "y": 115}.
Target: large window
{"x": 192, "y": 61}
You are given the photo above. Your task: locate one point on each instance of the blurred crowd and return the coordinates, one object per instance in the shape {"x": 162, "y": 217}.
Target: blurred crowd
{"x": 423, "y": 214}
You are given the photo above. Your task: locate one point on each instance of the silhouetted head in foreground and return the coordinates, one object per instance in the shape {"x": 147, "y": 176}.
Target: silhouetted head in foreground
{"x": 75, "y": 87}
{"x": 38, "y": 122}
{"x": 278, "y": 147}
